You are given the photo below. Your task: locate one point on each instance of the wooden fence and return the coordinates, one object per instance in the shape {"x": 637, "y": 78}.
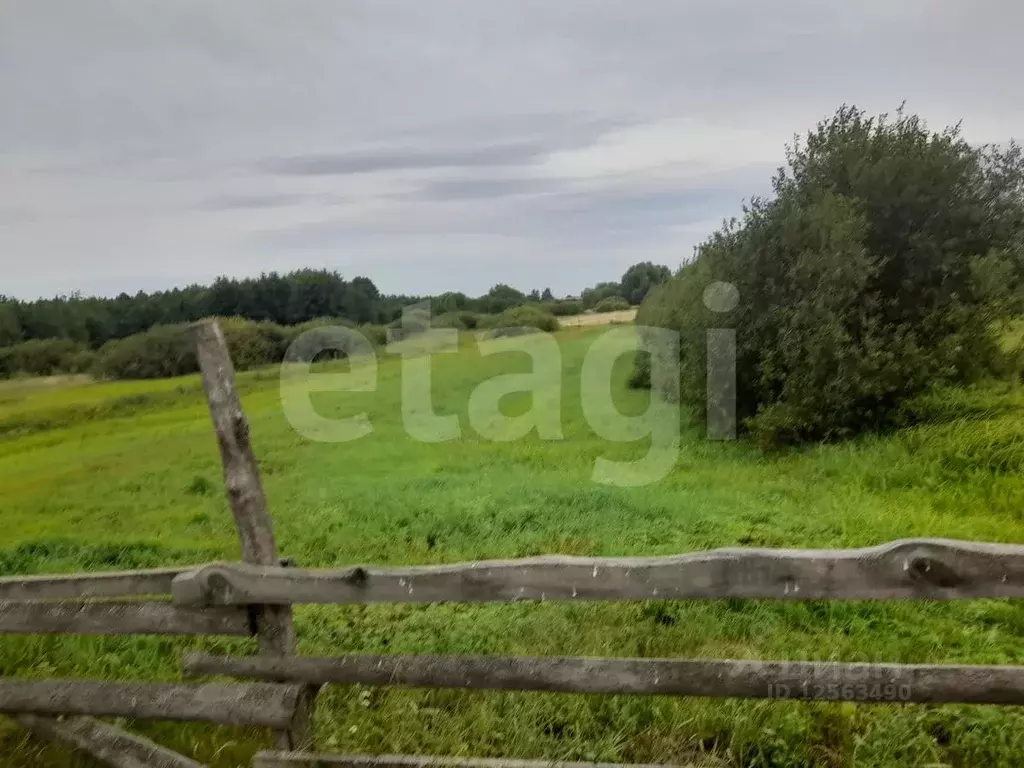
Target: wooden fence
{"x": 254, "y": 598}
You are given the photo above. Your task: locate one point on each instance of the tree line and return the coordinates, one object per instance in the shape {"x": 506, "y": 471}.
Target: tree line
{"x": 284, "y": 299}
{"x": 145, "y": 335}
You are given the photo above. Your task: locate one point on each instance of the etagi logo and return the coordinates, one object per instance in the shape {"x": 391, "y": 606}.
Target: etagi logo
{"x": 416, "y": 344}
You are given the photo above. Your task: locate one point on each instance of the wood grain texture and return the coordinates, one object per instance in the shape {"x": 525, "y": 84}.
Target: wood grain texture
{"x": 113, "y": 618}
{"x": 105, "y": 743}
{"x": 915, "y": 568}
{"x": 223, "y": 703}
{"x": 156, "y": 581}
{"x": 275, "y": 630}
{"x": 303, "y": 759}
{"x": 241, "y": 473}
{"x": 825, "y": 681}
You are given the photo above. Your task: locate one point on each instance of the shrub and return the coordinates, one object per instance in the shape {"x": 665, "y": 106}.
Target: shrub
{"x": 376, "y": 334}
{"x": 611, "y": 304}
{"x": 170, "y": 350}
{"x": 463, "y": 321}
{"x": 640, "y": 279}
{"x": 591, "y": 296}
{"x": 511, "y": 321}
{"x": 858, "y": 283}
{"x": 412, "y": 322}
{"x": 254, "y": 344}
{"x": 163, "y": 350}
{"x": 45, "y": 357}
{"x": 563, "y": 308}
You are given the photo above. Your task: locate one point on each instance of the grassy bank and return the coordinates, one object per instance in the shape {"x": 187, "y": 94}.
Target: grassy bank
{"x": 126, "y": 474}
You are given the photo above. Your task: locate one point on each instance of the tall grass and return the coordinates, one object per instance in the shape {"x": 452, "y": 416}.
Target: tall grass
{"x": 126, "y": 474}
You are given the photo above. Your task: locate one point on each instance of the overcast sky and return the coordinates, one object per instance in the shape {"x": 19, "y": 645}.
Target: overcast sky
{"x": 440, "y": 145}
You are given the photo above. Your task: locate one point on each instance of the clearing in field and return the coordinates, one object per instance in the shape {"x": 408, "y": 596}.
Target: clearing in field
{"x": 598, "y": 318}
{"x": 123, "y": 475}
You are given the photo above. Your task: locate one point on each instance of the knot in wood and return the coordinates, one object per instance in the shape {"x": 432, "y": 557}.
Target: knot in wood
{"x": 240, "y": 427}
{"x": 218, "y": 588}
{"x": 357, "y": 576}
{"x": 934, "y": 571}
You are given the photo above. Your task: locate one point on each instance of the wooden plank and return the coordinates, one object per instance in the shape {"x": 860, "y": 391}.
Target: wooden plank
{"x": 105, "y": 743}
{"x": 828, "y": 681}
{"x": 300, "y": 759}
{"x": 915, "y": 568}
{"x": 223, "y": 703}
{"x": 120, "y": 619}
{"x": 155, "y": 581}
{"x": 248, "y": 503}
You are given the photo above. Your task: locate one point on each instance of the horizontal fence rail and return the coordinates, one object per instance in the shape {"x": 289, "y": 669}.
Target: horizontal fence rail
{"x": 156, "y": 581}
{"x": 113, "y": 618}
{"x": 222, "y": 703}
{"x": 304, "y": 760}
{"x": 914, "y": 568}
{"x": 105, "y": 743}
{"x": 826, "y": 681}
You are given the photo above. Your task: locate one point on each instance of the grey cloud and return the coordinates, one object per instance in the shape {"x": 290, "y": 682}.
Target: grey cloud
{"x": 371, "y": 160}
{"x": 232, "y": 202}
{"x": 551, "y": 211}
{"x": 473, "y": 189}
{"x": 146, "y": 143}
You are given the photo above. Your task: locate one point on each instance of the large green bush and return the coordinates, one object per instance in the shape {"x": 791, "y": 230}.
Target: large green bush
{"x": 44, "y": 357}
{"x": 170, "y": 350}
{"x": 867, "y": 278}
{"x": 461, "y": 320}
{"x": 163, "y": 350}
{"x": 315, "y": 341}
{"x": 254, "y": 344}
{"x": 523, "y": 319}
{"x": 640, "y": 279}
{"x": 563, "y": 307}
{"x": 611, "y": 304}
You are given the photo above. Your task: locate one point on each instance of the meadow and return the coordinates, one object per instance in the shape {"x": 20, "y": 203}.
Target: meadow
{"x": 126, "y": 474}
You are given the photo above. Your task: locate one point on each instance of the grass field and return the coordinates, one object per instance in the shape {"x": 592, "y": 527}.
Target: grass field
{"x": 122, "y": 475}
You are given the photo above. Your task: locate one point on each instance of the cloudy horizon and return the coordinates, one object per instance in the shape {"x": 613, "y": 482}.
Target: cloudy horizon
{"x": 437, "y": 146}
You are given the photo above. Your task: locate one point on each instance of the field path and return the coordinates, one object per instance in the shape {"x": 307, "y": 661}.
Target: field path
{"x": 598, "y": 318}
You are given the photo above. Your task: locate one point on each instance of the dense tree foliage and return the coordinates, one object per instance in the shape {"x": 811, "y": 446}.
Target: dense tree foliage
{"x": 876, "y": 270}
{"x": 71, "y": 334}
{"x": 523, "y": 319}
{"x": 612, "y": 304}
{"x": 636, "y": 283}
{"x": 639, "y": 279}
{"x": 284, "y": 299}
{"x": 288, "y": 299}
{"x": 591, "y": 297}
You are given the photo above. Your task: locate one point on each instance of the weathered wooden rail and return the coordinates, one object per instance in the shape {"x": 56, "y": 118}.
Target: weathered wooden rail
{"x": 254, "y": 598}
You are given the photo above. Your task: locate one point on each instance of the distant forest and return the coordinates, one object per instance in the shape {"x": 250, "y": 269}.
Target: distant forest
{"x": 284, "y": 299}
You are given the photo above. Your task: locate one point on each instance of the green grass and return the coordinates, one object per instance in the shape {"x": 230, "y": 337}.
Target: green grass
{"x": 101, "y": 476}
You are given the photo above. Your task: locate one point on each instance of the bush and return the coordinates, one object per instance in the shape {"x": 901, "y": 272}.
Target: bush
{"x": 463, "y": 321}
{"x": 858, "y": 283}
{"x": 611, "y": 304}
{"x": 376, "y": 334}
{"x": 640, "y": 279}
{"x": 170, "y": 350}
{"x": 592, "y": 296}
{"x": 254, "y": 344}
{"x": 563, "y": 308}
{"x": 531, "y": 318}
{"x": 411, "y": 322}
{"x": 45, "y": 357}
{"x": 319, "y": 340}
{"x": 163, "y": 350}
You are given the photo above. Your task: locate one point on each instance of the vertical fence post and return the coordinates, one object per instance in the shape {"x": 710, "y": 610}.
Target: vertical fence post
{"x": 248, "y": 502}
